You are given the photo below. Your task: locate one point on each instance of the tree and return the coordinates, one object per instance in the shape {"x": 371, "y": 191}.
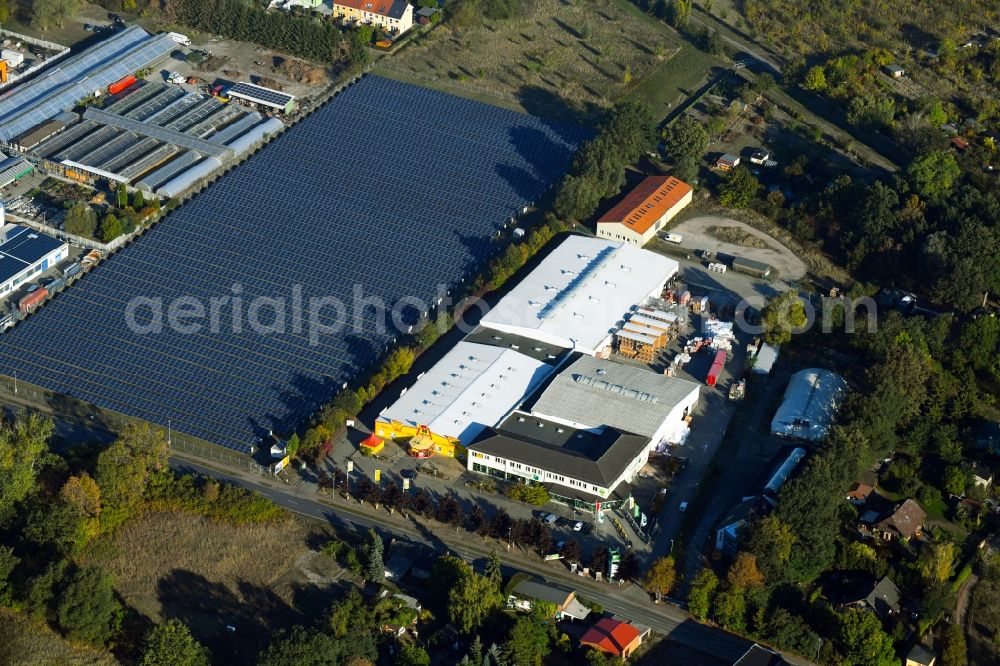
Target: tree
{"x": 685, "y": 138}
{"x": 701, "y": 595}
{"x": 171, "y": 644}
{"x": 471, "y": 598}
{"x": 124, "y": 468}
{"x": 953, "y": 650}
{"x": 494, "y": 571}
{"x": 978, "y": 340}
{"x": 863, "y": 641}
{"x": 955, "y": 480}
{"x": 936, "y": 561}
{"x": 528, "y": 642}
{"x": 740, "y": 189}
{"x": 111, "y": 228}
{"x": 743, "y": 573}
{"x": 87, "y": 609}
{"x": 8, "y": 562}
{"x": 771, "y": 543}
{"x": 83, "y": 493}
{"x": 301, "y": 647}
{"x": 782, "y": 316}
{"x": 791, "y": 632}
{"x": 731, "y": 609}
{"x": 686, "y": 169}
{"x": 412, "y": 655}
{"x": 24, "y": 450}
{"x": 815, "y": 79}
{"x": 374, "y": 568}
{"x": 46, "y": 14}
{"x": 661, "y": 576}
{"x": 933, "y": 175}
{"x": 577, "y": 197}
{"x": 81, "y": 220}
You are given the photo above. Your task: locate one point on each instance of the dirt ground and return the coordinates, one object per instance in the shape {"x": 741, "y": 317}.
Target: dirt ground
{"x": 696, "y": 237}
{"x": 256, "y": 578}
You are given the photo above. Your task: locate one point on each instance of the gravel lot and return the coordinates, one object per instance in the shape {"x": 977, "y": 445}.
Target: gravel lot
{"x": 696, "y": 237}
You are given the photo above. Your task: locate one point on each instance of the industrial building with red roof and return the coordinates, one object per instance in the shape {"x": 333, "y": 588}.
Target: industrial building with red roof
{"x": 644, "y": 211}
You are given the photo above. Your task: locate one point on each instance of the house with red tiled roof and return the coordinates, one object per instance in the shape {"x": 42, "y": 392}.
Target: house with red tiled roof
{"x": 615, "y": 637}
{"x": 637, "y": 217}
{"x": 396, "y": 16}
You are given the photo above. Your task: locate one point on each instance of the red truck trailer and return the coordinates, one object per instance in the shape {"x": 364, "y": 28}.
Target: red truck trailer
{"x": 30, "y": 301}
{"x": 716, "y": 369}
{"x": 121, "y": 84}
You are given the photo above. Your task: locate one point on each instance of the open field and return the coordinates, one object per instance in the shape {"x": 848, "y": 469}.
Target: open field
{"x": 562, "y": 56}
{"x": 25, "y": 642}
{"x": 676, "y": 79}
{"x": 258, "y": 578}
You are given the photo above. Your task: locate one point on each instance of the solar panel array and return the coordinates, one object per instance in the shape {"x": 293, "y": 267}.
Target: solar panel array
{"x": 257, "y": 93}
{"x": 390, "y": 187}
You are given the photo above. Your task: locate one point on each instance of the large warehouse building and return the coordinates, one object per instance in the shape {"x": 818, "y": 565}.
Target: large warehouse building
{"x": 471, "y": 388}
{"x": 644, "y": 211}
{"x": 61, "y": 87}
{"x": 810, "y": 404}
{"x": 580, "y": 292}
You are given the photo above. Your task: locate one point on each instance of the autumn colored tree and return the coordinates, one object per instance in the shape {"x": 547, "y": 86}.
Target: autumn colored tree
{"x": 661, "y": 576}
{"x": 743, "y": 573}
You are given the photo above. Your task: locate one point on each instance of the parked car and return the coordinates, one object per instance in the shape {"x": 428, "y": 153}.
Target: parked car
{"x": 551, "y": 519}
{"x": 683, "y": 507}
{"x": 577, "y": 526}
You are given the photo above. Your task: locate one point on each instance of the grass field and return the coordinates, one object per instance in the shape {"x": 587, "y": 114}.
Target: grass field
{"x": 29, "y": 643}
{"x": 566, "y": 58}
{"x": 983, "y": 623}
{"x": 258, "y": 578}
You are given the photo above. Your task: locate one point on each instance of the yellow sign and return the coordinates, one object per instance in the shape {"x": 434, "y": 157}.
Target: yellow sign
{"x": 378, "y": 475}
{"x": 406, "y": 484}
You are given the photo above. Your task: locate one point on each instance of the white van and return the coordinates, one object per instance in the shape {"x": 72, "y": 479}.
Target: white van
{"x": 673, "y": 238}
{"x": 183, "y": 40}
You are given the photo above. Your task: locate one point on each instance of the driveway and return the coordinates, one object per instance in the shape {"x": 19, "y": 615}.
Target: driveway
{"x": 696, "y": 237}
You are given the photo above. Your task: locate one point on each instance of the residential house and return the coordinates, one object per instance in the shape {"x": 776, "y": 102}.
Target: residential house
{"x": 727, "y": 534}
{"x": 528, "y": 591}
{"x": 883, "y": 598}
{"x": 727, "y": 162}
{"x": 395, "y": 16}
{"x": 760, "y": 157}
{"x": 903, "y": 523}
{"x": 425, "y": 15}
{"x": 616, "y": 637}
{"x": 895, "y": 71}
{"x": 398, "y": 567}
{"x": 920, "y": 656}
{"x": 761, "y": 656}
{"x": 981, "y": 475}
{"x": 859, "y": 492}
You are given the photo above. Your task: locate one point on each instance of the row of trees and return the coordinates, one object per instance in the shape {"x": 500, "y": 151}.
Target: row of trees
{"x": 50, "y": 509}
{"x": 317, "y": 39}
{"x": 598, "y": 171}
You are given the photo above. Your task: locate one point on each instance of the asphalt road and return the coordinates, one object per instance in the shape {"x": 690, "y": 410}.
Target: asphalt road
{"x": 665, "y": 619}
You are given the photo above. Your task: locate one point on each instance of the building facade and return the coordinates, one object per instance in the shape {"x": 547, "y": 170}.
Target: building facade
{"x": 646, "y": 209}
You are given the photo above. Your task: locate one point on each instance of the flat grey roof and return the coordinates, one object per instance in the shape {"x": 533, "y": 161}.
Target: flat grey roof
{"x": 536, "y": 589}
{"x": 596, "y": 392}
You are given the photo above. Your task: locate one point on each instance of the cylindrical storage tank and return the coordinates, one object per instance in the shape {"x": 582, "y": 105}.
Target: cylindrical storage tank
{"x": 186, "y": 179}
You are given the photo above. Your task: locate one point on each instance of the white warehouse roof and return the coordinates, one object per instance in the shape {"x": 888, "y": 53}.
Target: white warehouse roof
{"x": 577, "y": 294}
{"x": 473, "y": 387}
{"x": 810, "y": 404}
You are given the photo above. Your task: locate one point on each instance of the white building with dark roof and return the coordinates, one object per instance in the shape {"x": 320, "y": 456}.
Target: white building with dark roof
{"x": 810, "y": 404}
{"x": 580, "y": 292}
